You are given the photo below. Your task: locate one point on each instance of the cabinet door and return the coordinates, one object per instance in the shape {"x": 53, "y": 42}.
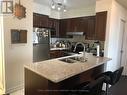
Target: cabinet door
{"x": 40, "y": 20}
{"x": 82, "y": 24}
{"x": 73, "y": 25}
{"x": 50, "y": 22}
{"x": 54, "y": 25}
{"x": 35, "y": 24}
{"x": 63, "y": 27}
{"x": 91, "y": 28}
{"x": 43, "y": 21}
{"x": 101, "y": 19}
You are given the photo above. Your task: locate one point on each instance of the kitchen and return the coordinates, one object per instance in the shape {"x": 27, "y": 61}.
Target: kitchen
{"x": 18, "y": 51}
{"x": 70, "y": 30}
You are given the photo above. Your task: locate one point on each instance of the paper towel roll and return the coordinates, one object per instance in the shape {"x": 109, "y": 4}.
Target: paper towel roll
{"x": 98, "y": 50}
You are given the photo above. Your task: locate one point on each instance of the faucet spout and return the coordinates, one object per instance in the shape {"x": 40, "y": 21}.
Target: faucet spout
{"x": 84, "y": 56}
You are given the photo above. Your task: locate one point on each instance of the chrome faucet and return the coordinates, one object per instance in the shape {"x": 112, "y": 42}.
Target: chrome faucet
{"x": 84, "y": 57}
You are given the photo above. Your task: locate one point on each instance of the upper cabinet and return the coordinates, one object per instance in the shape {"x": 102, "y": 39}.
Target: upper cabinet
{"x": 43, "y": 21}
{"x": 80, "y": 24}
{"x": 90, "y": 28}
{"x": 94, "y": 27}
{"x": 63, "y": 27}
{"x": 40, "y": 20}
{"x": 100, "y": 30}
{"x": 53, "y": 24}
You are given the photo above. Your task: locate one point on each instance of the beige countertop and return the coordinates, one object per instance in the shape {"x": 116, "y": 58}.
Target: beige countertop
{"x": 56, "y": 70}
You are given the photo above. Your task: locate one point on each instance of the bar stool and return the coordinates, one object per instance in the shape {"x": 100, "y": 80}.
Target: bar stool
{"x": 113, "y": 77}
{"x": 88, "y": 88}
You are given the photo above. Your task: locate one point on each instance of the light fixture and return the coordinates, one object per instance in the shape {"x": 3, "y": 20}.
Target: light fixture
{"x": 58, "y": 5}
{"x": 53, "y": 5}
{"x": 64, "y": 9}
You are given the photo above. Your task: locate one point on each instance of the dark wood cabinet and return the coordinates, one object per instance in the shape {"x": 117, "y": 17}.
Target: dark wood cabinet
{"x": 94, "y": 27}
{"x": 72, "y": 25}
{"x": 56, "y": 53}
{"x": 80, "y": 24}
{"x": 40, "y": 20}
{"x": 53, "y": 24}
{"x": 90, "y": 34}
{"x": 36, "y": 84}
{"x": 63, "y": 27}
{"x": 101, "y": 19}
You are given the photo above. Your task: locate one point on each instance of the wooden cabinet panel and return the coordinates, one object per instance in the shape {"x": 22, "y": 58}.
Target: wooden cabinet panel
{"x": 93, "y": 27}
{"x": 72, "y": 25}
{"x": 80, "y": 24}
{"x": 40, "y": 20}
{"x": 53, "y": 24}
{"x": 34, "y": 84}
{"x": 83, "y": 24}
{"x": 101, "y": 18}
{"x": 38, "y": 85}
{"x": 90, "y": 35}
{"x": 56, "y": 54}
{"x": 63, "y": 27}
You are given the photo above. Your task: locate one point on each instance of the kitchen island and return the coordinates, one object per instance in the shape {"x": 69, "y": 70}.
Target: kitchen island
{"x": 53, "y": 76}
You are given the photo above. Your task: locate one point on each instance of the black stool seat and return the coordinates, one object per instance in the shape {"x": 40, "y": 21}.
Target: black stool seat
{"x": 88, "y": 88}
{"x": 112, "y": 77}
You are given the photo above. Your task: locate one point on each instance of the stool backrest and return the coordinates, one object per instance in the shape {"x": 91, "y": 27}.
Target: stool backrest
{"x": 116, "y": 75}
{"x": 95, "y": 87}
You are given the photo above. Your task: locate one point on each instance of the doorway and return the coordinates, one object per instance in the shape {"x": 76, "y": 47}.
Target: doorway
{"x": 123, "y": 46}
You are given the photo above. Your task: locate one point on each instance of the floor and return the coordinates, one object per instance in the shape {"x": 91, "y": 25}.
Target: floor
{"x": 119, "y": 89}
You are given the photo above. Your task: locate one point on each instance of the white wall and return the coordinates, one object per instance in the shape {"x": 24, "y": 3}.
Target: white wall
{"x": 115, "y": 13}
{"x": 42, "y": 9}
{"x": 85, "y": 11}
{"x": 2, "y": 70}
{"x": 16, "y": 55}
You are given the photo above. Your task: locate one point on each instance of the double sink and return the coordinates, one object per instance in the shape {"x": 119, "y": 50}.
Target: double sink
{"x": 73, "y": 59}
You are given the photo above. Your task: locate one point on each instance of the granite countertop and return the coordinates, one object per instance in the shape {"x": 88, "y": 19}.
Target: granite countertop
{"x": 56, "y": 70}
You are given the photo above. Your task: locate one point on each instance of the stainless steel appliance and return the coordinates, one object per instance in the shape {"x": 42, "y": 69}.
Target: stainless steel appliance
{"x": 41, "y": 44}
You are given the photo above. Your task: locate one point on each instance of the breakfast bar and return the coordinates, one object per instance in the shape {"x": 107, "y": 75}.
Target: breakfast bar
{"x": 53, "y": 77}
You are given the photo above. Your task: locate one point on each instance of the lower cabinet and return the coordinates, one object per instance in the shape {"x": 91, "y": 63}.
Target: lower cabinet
{"x": 38, "y": 85}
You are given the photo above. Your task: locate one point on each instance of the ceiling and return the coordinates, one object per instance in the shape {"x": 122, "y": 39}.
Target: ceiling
{"x": 71, "y": 4}
{"x": 123, "y": 2}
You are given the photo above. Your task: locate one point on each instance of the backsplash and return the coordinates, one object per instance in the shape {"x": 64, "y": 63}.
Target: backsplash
{"x": 78, "y": 39}
{"x": 74, "y": 39}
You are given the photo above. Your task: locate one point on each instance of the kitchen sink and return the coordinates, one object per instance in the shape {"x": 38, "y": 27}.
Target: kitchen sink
{"x": 73, "y": 59}
{"x": 68, "y": 60}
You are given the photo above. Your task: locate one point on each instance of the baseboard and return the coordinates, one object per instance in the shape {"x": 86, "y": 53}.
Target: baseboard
{"x": 14, "y": 89}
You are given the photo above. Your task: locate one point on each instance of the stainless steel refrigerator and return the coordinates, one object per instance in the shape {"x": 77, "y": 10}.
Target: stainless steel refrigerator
{"x": 41, "y": 44}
